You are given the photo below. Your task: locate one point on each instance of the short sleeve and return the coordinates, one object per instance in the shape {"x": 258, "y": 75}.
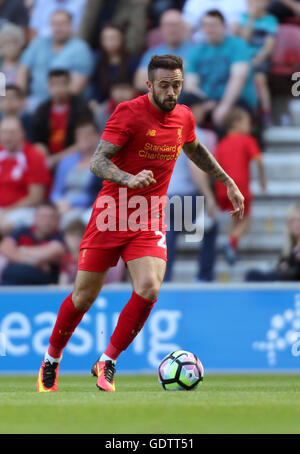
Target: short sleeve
{"x": 28, "y": 56}
{"x": 190, "y": 127}
{"x": 119, "y": 128}
{"x": 241, "y": 51}
{"x": 83, "y": 61}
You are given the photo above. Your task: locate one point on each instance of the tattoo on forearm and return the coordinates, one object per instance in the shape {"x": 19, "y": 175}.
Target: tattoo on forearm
{"x": 102, "y": 166}
{"x": 204, "y": 159}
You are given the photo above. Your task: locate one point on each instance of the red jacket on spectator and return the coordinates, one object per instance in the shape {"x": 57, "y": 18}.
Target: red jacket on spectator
{"x": 18, "y": 171}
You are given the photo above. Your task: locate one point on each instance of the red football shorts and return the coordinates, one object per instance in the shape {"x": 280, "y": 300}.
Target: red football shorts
{"x": 100, "y": 250}
{"x": 225, "y": 204}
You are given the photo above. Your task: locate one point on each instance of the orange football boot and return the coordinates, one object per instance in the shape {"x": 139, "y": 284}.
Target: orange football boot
{"x": 105, "y": 371}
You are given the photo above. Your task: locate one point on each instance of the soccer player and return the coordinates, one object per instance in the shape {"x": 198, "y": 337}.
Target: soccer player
{"x": 136, "y": 154}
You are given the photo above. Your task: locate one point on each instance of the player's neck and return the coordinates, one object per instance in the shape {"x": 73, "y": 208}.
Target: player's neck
{"x": 152, "y": 101}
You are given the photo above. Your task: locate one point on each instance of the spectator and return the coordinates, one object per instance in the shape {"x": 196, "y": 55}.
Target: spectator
{"x": 285, "y": 9}
{"x": 222, "y": 66}
{"x": 12, "y": 105}
{"x": 40, "y": 20}
{"x": 128, "y": 14}
{"x": 62, "y": 51}
{"x": 33, "y": 254}
{"x": 189, "y": 180}
{"x": 53, "y": 123}
{"x": 24, "y": 177}
{"x": 75, "y": 187}
{"x": 194, "y": 10}
{"x": 72, "y": 237}
{"x": 12, "y": 41}
{"x": 13, "y": 11}
{"x": 259, "y": 28}
{"x": 174, "y": 33}
{"x": 121, "y": 90}
{"x": 113, "y": 61}
{"x": 234, "y": 153}
{"x": 288, "y": 267}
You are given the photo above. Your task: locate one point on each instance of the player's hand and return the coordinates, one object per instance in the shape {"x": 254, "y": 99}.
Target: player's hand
{"x": 237, "y": 200}
{"x": 141, "y": 180}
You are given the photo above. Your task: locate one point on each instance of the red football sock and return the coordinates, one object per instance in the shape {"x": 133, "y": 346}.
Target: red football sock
{"x": 130, "y": 323}
{"x": 67, "y": 319}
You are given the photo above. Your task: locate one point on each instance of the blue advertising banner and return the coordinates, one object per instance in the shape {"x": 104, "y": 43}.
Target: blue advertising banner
{"x": 230, "y": 328}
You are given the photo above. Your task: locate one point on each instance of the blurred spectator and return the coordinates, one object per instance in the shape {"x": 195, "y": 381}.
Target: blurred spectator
{"x": 33, "y": 254}
{"x": 121, "y": 90}
{"x": 129, "y": 14}
{"x": 13, "y": 11}
{"x": 40, "y": 20}
{"x": 75, "y": 187}
{"x": 234, "y": 153}
{"x": 194, "y": 10}
{"x": 113, "y": 61}
{"x": 24, "y": 177}
{"x": 285, "y": 9}
{"x": 188, "y": 180}
{"x": 12, "y": 41}
{"x": 288, "y": 267}
{"x": 72, "y": 237}
{"x": 221, "y": 68}
{"x": 60, "y": 51}
{"x": 12, "y": 105}
{"x": 174, "y": 33}
{"x": 259, "y": 28}
{"x": 53, "y": 123}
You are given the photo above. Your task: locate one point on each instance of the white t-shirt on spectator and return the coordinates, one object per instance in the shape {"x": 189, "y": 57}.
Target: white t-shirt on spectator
{"x": 193, "y": 11}
{"x": 43, "y": 10}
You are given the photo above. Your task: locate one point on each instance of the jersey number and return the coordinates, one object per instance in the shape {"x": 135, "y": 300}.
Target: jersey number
{"x": 162, "y": 241}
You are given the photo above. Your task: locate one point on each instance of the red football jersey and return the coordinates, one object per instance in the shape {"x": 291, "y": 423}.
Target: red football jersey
{"x": 18, "y": 171}
{"x": 150, "y": 140}
{"x": 234, "y": 153}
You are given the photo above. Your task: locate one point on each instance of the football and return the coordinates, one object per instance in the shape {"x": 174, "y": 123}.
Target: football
{"x": 179, "y": 371}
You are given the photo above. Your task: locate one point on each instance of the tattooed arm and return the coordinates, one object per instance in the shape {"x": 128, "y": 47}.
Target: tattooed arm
{"x": 200, "y": 155}
{"x": 102, "y": 167}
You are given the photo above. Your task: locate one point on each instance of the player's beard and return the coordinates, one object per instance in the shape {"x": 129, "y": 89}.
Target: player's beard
{"x": 167, "y": 105}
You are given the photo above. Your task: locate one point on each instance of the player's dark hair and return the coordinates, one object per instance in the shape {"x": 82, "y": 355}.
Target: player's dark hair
{"x": 235, "y": 114}
{"x": 215, "y": 13}
{"x": 59, "y": 73}
{"x": 167, "y": 61}
{"x": 19, "y": 92}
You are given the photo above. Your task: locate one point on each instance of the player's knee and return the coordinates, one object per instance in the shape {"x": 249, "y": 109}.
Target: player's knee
{"x": 83, "y": 299}
{"x": 149, "y": 289}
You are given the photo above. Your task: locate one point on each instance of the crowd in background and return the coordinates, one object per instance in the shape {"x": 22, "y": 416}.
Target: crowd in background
{"x": 69, "y": 63}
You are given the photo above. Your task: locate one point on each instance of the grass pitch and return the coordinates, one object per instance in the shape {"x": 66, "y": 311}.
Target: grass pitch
{"x": 223, "y": 404}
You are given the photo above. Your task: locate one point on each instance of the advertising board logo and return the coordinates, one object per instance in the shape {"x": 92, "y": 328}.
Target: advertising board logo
{"x": 283, "y": 334}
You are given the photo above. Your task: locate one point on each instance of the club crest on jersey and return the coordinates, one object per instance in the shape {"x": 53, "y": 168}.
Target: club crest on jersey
{"x": 179, "y": 133}
{"x": 151, "y": 132}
